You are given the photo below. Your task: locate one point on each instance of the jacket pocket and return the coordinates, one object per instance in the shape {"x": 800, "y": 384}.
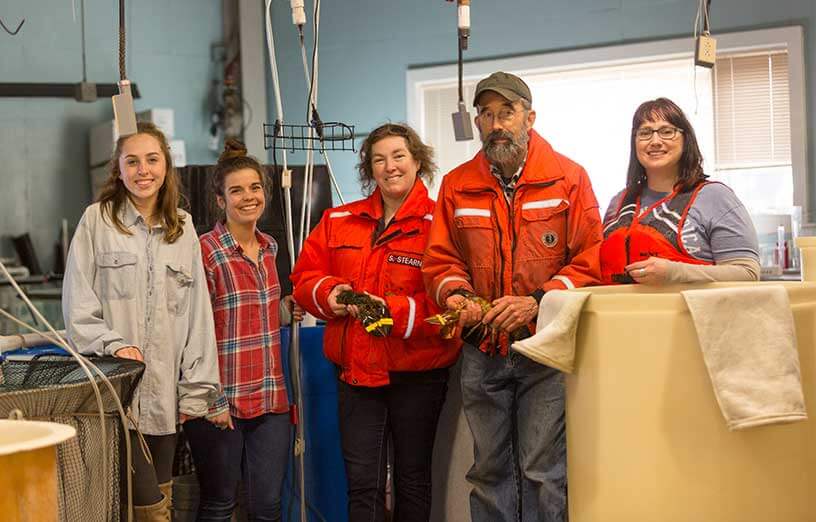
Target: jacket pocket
{"x": 117, "y": 274}
{"x": 346, "y": 253}
{"x": 177, "y": 286}
{"x": 544, "y": 229}
{"x": 476, "y": 236}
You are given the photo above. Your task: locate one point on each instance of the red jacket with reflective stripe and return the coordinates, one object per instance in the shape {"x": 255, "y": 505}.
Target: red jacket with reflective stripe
{"x": 342, "y": 249}
{"x": 547, "y": 238}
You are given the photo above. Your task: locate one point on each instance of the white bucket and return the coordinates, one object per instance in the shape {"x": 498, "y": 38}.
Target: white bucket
{"x": 807, "y": 249}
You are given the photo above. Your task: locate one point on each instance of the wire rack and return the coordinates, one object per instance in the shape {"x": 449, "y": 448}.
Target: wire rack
{"x": 325, "y": 136}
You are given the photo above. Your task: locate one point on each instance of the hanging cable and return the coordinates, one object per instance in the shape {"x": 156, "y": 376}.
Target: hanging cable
{"x": 462, "y": 123}
{"x": 122, "y": 75}
{"x": 9, "y": 31}
{"x": 294, "y": 353}
{"x": 123, "y": 111}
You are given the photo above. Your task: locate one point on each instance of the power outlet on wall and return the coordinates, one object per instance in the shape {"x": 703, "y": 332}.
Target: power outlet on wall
{"x": 705, "y": 52}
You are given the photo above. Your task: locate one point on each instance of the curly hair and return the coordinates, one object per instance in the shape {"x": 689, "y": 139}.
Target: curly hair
{"x": 422, "y": 153}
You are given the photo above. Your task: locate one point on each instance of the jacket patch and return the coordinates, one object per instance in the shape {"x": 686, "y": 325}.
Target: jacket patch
{"x": 402, "y": 259}
{"x": 549, "y": 238}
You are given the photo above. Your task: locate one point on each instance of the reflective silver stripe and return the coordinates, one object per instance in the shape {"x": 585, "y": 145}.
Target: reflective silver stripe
{"x": 628, "y": 209}
{"x": 483, "y": 212}
{"x": 339, "y": 214}
{"x": 544, "y": 203}
{"x": 314, "y": 295}
{"x": 411, "y": 316}
{"x": 566, "y": 280}
{"x": 429, "y": 217}
{"x": 445, "y": 281}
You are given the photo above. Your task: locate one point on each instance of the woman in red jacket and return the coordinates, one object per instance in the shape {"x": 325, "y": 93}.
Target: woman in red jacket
{"x": 389, "y": 387}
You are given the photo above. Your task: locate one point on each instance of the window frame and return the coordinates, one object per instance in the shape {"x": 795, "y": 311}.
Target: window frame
{"x": 789, "y": 38}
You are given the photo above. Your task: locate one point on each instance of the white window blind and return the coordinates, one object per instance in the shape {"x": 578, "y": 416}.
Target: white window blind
{"x": 586, "y": 114}
{"x": 752, "y": 110}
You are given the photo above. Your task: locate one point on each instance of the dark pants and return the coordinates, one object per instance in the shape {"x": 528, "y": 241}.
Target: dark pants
{"x": 147, "y": 476}
{"x": 255, "y": 452}
{"x": 407, "y": 410}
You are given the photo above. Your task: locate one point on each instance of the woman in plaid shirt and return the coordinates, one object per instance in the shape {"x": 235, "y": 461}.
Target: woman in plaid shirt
{"x": 239, "y": 262}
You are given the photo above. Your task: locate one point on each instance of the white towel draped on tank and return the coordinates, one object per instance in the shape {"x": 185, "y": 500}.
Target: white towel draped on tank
{"x": 554, "y": 342}
{"x": 748, "y": 341}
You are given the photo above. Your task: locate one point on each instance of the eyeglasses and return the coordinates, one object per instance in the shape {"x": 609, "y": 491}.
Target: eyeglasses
{"x": 664, "y": 133}
{"x": 504, "y": 116}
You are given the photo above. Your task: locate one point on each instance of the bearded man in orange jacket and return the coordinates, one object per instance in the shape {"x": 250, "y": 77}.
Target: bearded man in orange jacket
{"x": 514, "y": 222}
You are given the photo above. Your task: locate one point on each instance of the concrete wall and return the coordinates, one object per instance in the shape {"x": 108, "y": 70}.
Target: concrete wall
{"x": 368, "y": 45}
{"x": 44, "y": 143}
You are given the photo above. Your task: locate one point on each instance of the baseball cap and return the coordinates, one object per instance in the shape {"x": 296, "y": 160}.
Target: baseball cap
{"x": 508, "y": 85}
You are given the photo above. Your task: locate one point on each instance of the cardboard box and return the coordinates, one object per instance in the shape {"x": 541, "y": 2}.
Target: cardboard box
{"x": 164, "y": 119}
{"x": 101, "y": 143}
{"x": 103, "y": 136}
{"x": 179, "y": 153}
{"x": 98, "y": 177}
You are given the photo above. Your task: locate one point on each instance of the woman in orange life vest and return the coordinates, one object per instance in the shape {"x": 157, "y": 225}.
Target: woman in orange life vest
{"x": 670, "y": 225}
{"x": 393, "y": 386}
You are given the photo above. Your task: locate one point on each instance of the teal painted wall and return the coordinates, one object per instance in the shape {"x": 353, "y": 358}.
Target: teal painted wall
{"x": 366, "y": 46}
{"x": 44, "y": 142}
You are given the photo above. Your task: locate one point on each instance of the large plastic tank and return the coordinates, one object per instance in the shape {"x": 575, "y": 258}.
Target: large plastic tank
{"x": 646, "y": 440}
{"x": 28, "y": 460}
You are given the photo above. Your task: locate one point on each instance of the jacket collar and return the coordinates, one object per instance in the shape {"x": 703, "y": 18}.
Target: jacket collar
{"x": 130, "y": 216}
{"x": 416, "y": 205}
{"x": 226, "y": 238}
{"x": 541, "y": 165}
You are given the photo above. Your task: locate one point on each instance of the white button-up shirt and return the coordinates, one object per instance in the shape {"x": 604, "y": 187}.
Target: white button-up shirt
{"x": 121, "y": 290}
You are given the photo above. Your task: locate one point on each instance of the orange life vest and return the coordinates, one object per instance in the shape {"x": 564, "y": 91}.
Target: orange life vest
{"x": 631, "y": 235}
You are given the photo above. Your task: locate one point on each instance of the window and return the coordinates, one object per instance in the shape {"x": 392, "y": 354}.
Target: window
{"x": 585, "y": 100}
{"x": 753, "y": 128}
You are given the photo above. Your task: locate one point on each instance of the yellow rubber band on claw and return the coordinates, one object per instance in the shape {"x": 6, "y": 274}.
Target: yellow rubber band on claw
{"x": 385, "y": 321}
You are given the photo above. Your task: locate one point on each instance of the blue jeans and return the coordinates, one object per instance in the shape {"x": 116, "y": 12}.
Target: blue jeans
{"x": 515, "y": 410}
{"x": 256, "y": 452}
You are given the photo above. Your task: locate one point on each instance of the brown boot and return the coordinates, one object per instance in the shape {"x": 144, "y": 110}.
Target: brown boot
{"x": 158, "y": 512}
{"x": 167, "y": 490}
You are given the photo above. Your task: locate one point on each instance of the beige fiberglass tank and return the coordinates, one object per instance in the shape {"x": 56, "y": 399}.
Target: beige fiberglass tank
{"x": 646, "y": 441}
{"x": 645, "y": 436}
{"x": 28, "y": 460}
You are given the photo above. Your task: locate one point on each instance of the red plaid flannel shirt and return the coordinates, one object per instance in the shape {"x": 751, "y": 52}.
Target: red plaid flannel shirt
{"x": 245, "y": 300}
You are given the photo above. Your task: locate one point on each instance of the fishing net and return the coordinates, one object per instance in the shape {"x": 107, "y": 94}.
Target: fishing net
{"x": 56, "y": 389}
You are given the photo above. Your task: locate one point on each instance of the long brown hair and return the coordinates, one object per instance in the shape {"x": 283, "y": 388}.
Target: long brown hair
{"x": 113, "y": 193}
{"x": 233, "y": 158}
{"x": 422, "y": 153}
{"x": 691, "y": 160}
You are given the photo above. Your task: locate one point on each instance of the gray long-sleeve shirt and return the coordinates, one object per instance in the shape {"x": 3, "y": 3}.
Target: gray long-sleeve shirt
{"x": 122, "y": 290}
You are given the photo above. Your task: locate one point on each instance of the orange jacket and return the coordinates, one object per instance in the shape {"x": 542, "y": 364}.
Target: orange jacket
{"x": 342, "y": 249}
{"x": 549, "y": 238}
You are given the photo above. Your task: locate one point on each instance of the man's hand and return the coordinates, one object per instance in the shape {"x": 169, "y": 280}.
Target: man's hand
{"x": 338, "y": 309}
{"x": 652, "y": 271}
{"x": 511, "y": 312}
{"x": 129, "y": 352}
{"x": 470, "y": 313}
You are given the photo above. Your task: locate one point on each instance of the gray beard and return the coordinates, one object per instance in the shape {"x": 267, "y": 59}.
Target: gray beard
{"x": 510, "y": 153}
